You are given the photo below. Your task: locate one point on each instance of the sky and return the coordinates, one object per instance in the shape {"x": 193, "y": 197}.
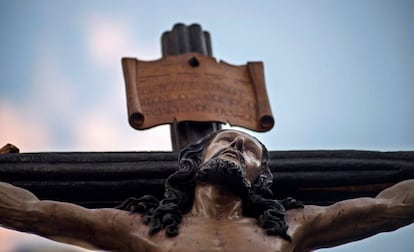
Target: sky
{"x": 339, "y": 75}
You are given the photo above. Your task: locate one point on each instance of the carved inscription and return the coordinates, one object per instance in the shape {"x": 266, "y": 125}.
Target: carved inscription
{"x": 176, "y": 89}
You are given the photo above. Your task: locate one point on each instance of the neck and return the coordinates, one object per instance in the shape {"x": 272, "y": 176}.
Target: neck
{"x": 216, "y": 201}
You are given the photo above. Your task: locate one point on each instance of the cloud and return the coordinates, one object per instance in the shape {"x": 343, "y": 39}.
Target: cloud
{"x": 108, "y": 39}
{"x": 104, "y": 126}
{"x": 99, "y": 132}
{"x": 22, "y": 129}
{"x": 11, "y": 241}
{"x": 53, "y": 116}
{"x": 53, "y": 89}
{"x": 47, "y": 104}
{"x": 25, "y": 122}
{"x": 7, "y": 239}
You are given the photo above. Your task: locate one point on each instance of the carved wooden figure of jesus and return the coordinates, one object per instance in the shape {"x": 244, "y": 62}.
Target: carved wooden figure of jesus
{"x": 219, "y": 200}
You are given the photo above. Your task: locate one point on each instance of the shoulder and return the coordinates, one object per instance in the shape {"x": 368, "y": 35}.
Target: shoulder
{"x": 123, "y": 230}
{"x": 109, "y": 220}
{"x": 119, "y": 217}
{"x": 305, "y": 214}
{"x": 301, "y": 218}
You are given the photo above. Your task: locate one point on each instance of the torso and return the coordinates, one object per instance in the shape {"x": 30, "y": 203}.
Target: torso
{"x": 200, "y": 234}
{"x": 205, "y": 234}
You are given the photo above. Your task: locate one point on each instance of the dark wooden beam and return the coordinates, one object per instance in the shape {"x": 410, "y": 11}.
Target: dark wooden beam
{"x": 105, "y": 179}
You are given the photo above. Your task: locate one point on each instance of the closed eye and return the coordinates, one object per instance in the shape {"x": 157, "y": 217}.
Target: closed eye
{"x": 252, "y": 151}
{"x": 225, "y": 139}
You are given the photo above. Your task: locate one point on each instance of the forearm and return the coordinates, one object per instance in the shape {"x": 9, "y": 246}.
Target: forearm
{"x": 107, "y": 229}
{"x": 15, "y": 205}
{"x": 401, "y": 193}
{"x": 21, "y": 210}
{"x": 399, "y": 200}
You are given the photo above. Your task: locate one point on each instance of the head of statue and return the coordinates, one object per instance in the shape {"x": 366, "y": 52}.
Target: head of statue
{"x": 231, "y": 158}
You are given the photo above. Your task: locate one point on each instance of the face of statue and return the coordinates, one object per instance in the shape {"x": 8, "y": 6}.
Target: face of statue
{"x": 238, "y": 148}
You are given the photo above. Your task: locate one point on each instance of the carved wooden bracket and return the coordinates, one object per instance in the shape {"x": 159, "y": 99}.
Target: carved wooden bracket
{"x": 9, "y": 148}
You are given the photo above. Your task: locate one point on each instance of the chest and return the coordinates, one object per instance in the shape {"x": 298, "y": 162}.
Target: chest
{"x": 204, "y": 235}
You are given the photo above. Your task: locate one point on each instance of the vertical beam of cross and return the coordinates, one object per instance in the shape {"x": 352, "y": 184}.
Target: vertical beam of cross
{"x": 183, "y": 39}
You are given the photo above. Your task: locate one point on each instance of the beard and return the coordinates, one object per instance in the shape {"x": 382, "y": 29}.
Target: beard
{"x": 225, "y": 172}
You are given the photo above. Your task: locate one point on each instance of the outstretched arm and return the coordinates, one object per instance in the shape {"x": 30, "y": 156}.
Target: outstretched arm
{"x": 356, "y": 219}
{"x": 104, "y": 228}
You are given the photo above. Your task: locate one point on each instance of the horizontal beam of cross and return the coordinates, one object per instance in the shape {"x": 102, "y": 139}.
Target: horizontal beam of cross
{"x": 105, "y": 179}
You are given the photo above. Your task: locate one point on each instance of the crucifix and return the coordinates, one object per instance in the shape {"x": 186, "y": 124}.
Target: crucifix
{"x": 219, "y": 195}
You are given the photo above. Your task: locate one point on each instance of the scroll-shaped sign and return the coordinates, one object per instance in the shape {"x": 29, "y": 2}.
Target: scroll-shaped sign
{"x": 194, "y": 87}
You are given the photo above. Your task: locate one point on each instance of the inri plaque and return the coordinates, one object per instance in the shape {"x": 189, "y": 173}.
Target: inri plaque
{"x": 194, "y": 87}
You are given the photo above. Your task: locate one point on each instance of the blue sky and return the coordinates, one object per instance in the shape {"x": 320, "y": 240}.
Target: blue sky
{"x": 340, "y": 74}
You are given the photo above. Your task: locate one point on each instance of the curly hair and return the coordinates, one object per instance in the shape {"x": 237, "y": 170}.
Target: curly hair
{"x": 178, "y": 199}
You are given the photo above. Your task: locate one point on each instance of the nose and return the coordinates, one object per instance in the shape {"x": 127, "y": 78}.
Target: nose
{"x": 238, "y": 143}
